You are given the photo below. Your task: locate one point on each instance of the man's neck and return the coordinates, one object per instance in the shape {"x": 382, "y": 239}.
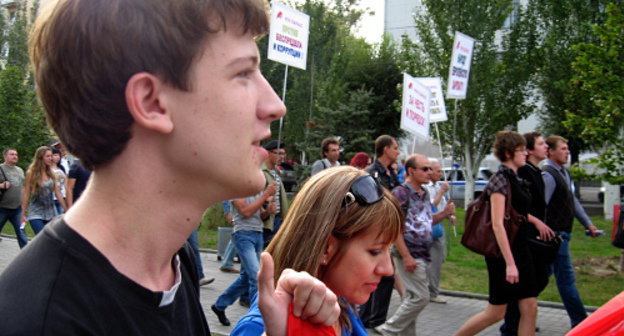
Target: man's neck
{"x": 534, "y": 161}
{"x": 117, "y": 218}
{"x": 9, "y": 164}
{"x": 384, "y": 160}
{"x": 417, "y": 186}
{"x": 269, "y": 165}
{"x": 557, "y": 164}
{"x": 333, "y": 163}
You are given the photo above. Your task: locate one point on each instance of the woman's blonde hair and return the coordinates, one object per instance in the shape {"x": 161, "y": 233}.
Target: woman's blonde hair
{"x": 318, "y": 212}
{"x": 38, "y": 170}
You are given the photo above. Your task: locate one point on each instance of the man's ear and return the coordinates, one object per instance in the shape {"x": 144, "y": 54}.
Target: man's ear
{"x": 330, "y": 250}
{"x": 144, "y": 97}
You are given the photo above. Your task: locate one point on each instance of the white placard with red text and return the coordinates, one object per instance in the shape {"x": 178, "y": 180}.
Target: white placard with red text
{"x": 459, "y": 72}
{"x": 415, "y": 108}
{"x": 288, "y": 37}
{"x": 437, "y": 108}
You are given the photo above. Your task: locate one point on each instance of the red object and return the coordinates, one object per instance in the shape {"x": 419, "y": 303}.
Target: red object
{"x": 608, "y": 320}
{"x": 299, "y": 327}
{"x": 616, "y": 220}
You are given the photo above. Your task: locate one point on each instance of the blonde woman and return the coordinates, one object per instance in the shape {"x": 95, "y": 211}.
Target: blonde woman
{"x": 339, "y": 230}
{"x": 40, "y": 185}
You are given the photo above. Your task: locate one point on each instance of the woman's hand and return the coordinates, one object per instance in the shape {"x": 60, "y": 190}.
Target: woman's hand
{"x": 546, "y": 233}
{"x": 511, "y": 274}
{"x": 311, "y": 298}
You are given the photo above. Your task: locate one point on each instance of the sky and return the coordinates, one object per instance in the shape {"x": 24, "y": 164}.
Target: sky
{"x": 371, "y": 27}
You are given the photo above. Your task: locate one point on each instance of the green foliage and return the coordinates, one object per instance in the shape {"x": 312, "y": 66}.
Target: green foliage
{"x": 500, "y": 74}
{"x": 351, "y": 120}
{"x": 22, "y": 119}
{"x": 598, "y": 70}
{"x": 564, "y": 23}
{"x": 344, "y": 74}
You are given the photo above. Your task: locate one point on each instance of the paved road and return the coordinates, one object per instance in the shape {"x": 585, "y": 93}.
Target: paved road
{"x": 436, "y": 319}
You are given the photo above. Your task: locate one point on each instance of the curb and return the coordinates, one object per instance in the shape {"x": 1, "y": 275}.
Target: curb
{"x": 547, "y": 304}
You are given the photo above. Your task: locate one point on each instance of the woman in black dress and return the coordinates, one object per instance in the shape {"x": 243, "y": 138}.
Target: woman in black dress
{"x": 511, "y": 277}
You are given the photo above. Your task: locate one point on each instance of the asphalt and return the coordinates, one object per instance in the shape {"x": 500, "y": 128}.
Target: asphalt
{"x": 436, "y": 319}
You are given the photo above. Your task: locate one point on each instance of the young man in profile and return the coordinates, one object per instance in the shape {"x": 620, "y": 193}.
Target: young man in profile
{"x": 152, "y": 96}
{"x": 330, "y": 148}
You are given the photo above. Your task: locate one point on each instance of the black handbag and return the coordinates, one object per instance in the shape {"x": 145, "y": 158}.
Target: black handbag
{"x": 545, "y": 251}
{"x": 478, "y": 233}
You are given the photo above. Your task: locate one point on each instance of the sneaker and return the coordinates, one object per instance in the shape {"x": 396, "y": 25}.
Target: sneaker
{"x": 221, "y": 315}
{"x": 380, "y": 330}
{"x": 206, "y": 281}
{"x": 229, "y": 270}
{"x": 437, "y": 299}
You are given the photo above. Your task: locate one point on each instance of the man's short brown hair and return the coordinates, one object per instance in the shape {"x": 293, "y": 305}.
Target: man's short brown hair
{"x": 85, "y": 51}
{"x": 553, "y": 140}
{"x": 530, "y": 139}
{"x": 6, "y": 151}
{"x": 382, "y": 142}
{"x": 506, "y": 142}
{"x": 326, "y": 142}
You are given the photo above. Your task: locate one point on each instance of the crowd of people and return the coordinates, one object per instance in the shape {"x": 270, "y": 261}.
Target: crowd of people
{"x": 159, "y": 126}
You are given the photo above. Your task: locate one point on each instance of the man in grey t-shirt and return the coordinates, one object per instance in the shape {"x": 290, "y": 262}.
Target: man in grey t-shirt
{"x": 248, "y": 214}
{"x": 12, "y": 182}
{"x": 330, "y": 148}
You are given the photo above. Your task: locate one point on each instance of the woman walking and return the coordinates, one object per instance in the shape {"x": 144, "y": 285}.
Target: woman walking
{"x": 511, "y": 277}
{"x": 37, "y": 201}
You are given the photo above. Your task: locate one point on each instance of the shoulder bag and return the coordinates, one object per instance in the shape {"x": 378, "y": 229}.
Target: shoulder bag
{"x": 478, "y": 233}
{"x": 2, "y": 191}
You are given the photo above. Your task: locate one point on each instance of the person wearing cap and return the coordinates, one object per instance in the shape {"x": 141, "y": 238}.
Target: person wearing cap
{"x": 277, "y": 153}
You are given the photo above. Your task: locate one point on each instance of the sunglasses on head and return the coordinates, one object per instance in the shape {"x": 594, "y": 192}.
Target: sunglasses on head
{"x": 365, "y": 190}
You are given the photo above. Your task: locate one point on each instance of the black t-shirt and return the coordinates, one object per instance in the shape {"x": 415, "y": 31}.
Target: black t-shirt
{"x": 533, "y": 176}
{"x": 384, "y": 175}
{"x": 81, "y": 174}
{"x": 61, "y": 285}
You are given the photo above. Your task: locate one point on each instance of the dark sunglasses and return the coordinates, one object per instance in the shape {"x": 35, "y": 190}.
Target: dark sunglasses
{"x": 365, "y": 190}
{"x": 425, "y": 169}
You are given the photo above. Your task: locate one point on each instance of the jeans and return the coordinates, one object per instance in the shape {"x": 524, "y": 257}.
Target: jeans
{"x": 14, "y": 216}
{"x": 227, "y": 261}
{"x": 58, "y": 208}
{"x": 566, "y": 282}
{"x": 268, "y": 234}
{"x": 193, "y": 240}
{"x": 249, "y": 246}
{"x": 37, "y": 224}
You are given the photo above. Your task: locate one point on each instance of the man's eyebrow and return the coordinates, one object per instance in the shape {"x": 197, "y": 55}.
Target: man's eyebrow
{"x": 254, "y": 60}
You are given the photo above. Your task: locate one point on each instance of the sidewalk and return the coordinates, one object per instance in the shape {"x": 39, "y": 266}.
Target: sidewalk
{"x": 436, "y": 319}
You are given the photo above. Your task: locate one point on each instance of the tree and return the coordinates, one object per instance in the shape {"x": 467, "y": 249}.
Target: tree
{"x": 598, "y": 70}
{"x": 329, "y": 26}
{"x": 22, "y": 119}
{"x": 499, "y": 83}
{"x": 563, "y": 24}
